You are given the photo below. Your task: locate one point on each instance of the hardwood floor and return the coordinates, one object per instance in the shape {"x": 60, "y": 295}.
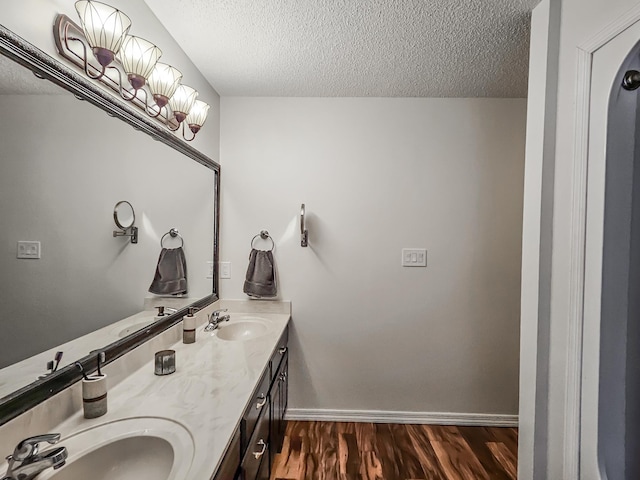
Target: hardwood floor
{"x": 367, "y": 451}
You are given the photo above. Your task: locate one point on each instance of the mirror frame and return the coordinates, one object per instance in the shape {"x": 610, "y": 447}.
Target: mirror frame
{"x": 46, "y": 67}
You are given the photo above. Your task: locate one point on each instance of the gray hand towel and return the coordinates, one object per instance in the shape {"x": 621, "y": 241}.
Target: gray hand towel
{"x": 261, "y": 275}
{"x": 171, "y": 273}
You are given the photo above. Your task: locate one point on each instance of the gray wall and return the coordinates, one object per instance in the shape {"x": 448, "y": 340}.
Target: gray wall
{"x": 378, "y": 175}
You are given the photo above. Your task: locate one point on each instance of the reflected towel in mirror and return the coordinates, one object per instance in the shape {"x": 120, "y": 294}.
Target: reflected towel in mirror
{"x": 261, "y": 275}
{"x": 171, "y": 273}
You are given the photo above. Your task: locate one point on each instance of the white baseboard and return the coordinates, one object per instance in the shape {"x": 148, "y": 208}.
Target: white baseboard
{"x": 383, "y": 416}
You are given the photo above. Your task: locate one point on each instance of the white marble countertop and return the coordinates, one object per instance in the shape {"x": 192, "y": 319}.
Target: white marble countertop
{"x": 207, "y": 394}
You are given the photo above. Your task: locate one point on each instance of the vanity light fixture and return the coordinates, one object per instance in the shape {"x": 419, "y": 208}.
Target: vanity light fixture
{"x": 104, "y": 28}
{"x": 188, "y": 110}
{"x": 151, "y": 86}
{"x": 197, "y": 116}
{"x": 182, "y": 101}
{"x": 163, "y": 83}
{"x": 138, "y": 58}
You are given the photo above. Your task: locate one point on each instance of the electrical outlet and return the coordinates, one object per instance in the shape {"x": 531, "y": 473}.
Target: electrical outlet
{"x": 28, "y": 249}
{"x": 414, "y": 257}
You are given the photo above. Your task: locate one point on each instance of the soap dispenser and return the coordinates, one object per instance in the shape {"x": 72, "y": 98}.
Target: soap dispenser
{"x": 161, "y": 314}
{"x": 189, "y": 326}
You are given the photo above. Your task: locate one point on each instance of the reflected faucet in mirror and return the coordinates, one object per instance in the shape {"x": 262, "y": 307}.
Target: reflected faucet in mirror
{"x": 27, "y": 461}
{"x": 125, "y": 218}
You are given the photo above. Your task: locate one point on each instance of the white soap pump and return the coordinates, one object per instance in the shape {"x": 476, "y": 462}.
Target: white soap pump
{"x": 189, "y": 326}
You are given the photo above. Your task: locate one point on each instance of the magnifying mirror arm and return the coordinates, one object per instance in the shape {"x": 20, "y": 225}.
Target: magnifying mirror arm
{"x": 128, "y": 232}
{"x": 304, "y": 233}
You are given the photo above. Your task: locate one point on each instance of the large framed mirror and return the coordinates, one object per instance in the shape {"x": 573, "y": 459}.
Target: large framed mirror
{"x": 65, "y": 164}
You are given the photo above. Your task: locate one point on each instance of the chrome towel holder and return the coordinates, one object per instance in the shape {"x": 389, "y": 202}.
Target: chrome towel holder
{"x": 264, "y": 235}
{"x": 173, "y": 233}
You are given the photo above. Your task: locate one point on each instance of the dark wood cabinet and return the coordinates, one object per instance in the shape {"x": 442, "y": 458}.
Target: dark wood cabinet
{"x": 259, "y": 403}
{"x": 278, "y": 394}
{"x": 260, "y": 435}
{"x": 257, "y": 453}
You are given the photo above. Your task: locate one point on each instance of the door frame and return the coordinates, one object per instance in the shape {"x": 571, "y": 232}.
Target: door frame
{"x": 578, "y": 238}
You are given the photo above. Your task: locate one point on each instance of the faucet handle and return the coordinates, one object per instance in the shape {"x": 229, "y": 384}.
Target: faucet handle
{"x": 29, "y": 446}
{"x": 216, "y": 313}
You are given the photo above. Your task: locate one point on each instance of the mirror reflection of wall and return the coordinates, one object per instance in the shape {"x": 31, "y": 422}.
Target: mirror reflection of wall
{"x": 64, "y": 165}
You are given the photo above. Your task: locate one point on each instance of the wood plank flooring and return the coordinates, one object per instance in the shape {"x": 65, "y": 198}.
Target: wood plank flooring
{"x": 368, "y": 451}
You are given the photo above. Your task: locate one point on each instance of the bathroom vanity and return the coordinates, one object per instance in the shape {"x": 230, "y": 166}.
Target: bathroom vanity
{"x": 220, "y": 415}
{"x": 259, "y": 436}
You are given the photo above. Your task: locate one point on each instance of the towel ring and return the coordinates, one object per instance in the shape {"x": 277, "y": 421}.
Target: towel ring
{"x": 264, "y": 235}
{"x": 173, "y": 233}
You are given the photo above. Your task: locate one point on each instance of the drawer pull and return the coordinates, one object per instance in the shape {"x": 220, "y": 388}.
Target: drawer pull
{"x": 282, "y": 350}
{"x": 262, "y": 397}
{"x": 264, "y": 448}
{"x": 283, "y": 377}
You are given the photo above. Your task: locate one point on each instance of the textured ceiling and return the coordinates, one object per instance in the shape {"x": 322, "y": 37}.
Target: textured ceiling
{"x": 18, "y": 80}
{"x": 382, "y": 48}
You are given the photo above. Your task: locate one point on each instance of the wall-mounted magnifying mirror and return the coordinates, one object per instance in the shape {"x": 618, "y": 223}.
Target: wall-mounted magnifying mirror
{"x": 125, "y": 218}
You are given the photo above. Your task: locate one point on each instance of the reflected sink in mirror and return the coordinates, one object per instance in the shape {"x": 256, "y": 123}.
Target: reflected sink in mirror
{"x": 241, "y": 328}
{"x": 134, "y": 328}
{"x": 131, "y": 449}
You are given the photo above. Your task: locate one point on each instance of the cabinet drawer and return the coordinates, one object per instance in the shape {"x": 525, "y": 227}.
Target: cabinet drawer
{"x": 257, "y": 449}
{"x": 257, "y": 405}
{"x": 279, "y": 353}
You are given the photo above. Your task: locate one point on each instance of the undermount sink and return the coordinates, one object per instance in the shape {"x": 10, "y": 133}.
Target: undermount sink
{"x": 242, "y": 328}
{"x": 132, "y": 449}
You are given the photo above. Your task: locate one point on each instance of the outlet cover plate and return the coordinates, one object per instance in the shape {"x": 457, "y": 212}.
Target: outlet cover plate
{"x": 414, "y": 257}
{"x": 28, "y": 249}
{"x": 225, "y": 269}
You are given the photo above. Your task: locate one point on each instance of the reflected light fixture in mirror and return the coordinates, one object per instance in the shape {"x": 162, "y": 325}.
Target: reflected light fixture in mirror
{"x": 156, "y": 86}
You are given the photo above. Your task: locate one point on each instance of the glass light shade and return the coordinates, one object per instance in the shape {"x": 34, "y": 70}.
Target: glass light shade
{"x": 182, "y": 101}
{"x": 138, "y": 58}
{"x": 197, "y": 115}
{"x": 104, "y": 28}
{"x": 163, "y": 82}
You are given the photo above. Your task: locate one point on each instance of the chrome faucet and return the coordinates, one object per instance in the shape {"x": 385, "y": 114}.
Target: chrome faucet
{"x": 26, "y": 461}
{"x": 215, "y": 319}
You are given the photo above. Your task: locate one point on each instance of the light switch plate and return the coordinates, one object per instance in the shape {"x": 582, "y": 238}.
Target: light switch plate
{"x": 209, "y": 269}
{"x": 28, "y": 249}
{"x": 225, "y": 269}
{"x": 414, "y": 257}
